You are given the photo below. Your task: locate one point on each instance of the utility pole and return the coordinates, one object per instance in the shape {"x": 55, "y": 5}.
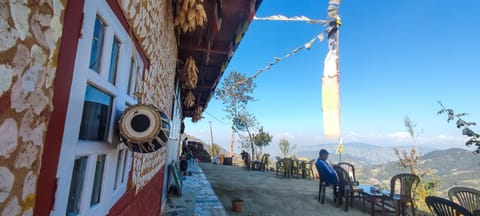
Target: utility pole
{"x": 211, "y": 137}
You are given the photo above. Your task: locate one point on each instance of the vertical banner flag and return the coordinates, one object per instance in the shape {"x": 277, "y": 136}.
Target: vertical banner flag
{"x": 340, "y": 146}
{"x": 330, "y": 79}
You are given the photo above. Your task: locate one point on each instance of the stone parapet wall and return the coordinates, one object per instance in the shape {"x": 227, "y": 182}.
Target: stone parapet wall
{"x": 29, "y": 38}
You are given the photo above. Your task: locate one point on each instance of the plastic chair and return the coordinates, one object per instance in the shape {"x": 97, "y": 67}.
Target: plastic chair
{"x": 295, "y": 168}
{"x": 279, "y": 166}
{"x": 321, "y": 188}
{"x": 287, "y": 167}
{"x": 469, "y": 198}
{"x": 307, "y": 169}
{"x": 350, "y": 170}
{"x": 343, "y": 191}
{"x": 442, "y": 207}
{"x": 348, "y": 189}
{"x": 406, "y": 192}
{"x": 264, "y": 162}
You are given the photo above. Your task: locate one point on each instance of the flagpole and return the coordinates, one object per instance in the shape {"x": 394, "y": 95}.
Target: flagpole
{"x": 340, "y": 148}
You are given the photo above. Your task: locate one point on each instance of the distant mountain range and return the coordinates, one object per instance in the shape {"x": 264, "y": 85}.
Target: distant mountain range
{"x": 454, "y": 167}
{"x": 360, "y": 153}
{"x": 377, "y": 164}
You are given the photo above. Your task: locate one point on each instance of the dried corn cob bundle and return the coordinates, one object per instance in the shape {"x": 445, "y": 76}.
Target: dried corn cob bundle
{"x": 190, "y": 74}
{"x": 197, "y": 115}
{"x": 189, "y": 99}
{"x": 190, "y": 14}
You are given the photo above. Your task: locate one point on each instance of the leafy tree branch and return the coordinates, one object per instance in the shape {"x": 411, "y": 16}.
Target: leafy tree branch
{"x": 473, "y": 137}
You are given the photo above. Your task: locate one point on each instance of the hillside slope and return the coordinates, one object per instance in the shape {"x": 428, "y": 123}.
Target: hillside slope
{"x": 454, "y": 167}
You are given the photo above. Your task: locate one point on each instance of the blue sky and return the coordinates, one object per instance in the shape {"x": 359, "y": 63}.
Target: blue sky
{"x": 397, "y": 58}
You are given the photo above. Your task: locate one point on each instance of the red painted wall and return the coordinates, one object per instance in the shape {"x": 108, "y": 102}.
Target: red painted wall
{"x": 146, "y": 202}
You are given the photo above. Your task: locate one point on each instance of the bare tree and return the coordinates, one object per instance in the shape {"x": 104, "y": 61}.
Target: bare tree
{"x": 235, "y": 95}
{"x": 409, "y": 158}
{"x": 247, "y": 122}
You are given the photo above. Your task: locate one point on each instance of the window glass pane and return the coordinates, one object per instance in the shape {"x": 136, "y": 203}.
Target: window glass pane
{"x": 131, "y": 79}
{"x": 118, "y": 171}
{"x": 125, "y": 158}
{"x": 173, "y": 108}
{"x": 96, "y": 115}
{"x": 97, "y": 181}
{"x": 97, "y": 43}
{"x": 76, "y": 186}
{"x": 114, "y": 61}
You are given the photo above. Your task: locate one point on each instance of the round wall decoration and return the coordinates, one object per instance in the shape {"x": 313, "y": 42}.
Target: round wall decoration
{"x": 144, "y": 128}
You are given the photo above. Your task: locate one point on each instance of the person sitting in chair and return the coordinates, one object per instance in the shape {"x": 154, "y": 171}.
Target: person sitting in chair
{"x": 246, "y": 159}
{"x": 326, "y": 172}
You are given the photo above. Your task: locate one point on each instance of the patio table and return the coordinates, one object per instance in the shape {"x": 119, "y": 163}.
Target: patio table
{"x": 373, "y": 195}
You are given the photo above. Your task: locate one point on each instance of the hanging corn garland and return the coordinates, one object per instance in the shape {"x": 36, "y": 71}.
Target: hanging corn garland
{"x": 197, "y": 115}
{"x": 190, "y": 74}
{"x": 189, "y": 99}
{"x": 190, "y": 14}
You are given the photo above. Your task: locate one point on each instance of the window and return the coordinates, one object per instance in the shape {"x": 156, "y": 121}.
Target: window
{"x": 97, "y": 43}
{"x": 114, "y": 61}
{"x": 131, "y": 78}
{"x": 76, "y": 186}
{"x": 120, "y": 170}
{"x": 107, "y": 71}
{"x": 136, "y": 75}
{"x": 124, "y": 166}
{"x": 97, "y": 180}
{"x": 96, "y": 115}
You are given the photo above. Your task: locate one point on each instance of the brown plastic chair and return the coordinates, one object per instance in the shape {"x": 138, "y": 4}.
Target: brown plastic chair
{"x": 343, "y": 191}
{"x": 295, "y": 168}
{"x": 405, "y": 194}
{"x": 348, "y": 191}
{"x": 469, "y": 198}
{"x": 350, "y": 170}
{"x": 443, "y": 207}
{"x": 321, "y": 188}
{"x": 307, "y": 169}
{"x": 279, "y": 166}
{"x": 287, "y": 167}
{"x": 264, "y": 162}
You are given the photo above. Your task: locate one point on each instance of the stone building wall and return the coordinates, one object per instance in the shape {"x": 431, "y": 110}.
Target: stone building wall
{"x": 29, "y": 37}
{"x": 30, "y": 34}
{"x": 152, "y": 23}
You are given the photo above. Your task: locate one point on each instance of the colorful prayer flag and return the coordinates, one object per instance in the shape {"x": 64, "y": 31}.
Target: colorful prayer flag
{"x": 331, "y": 87}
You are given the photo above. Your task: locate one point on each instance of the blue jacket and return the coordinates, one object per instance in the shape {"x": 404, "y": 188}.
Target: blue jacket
{"x": 326, "y": 172}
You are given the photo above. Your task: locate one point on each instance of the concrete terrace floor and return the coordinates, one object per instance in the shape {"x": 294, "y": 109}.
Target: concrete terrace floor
{"x": 209, "y": 189}
{"x": 266, "y": 194}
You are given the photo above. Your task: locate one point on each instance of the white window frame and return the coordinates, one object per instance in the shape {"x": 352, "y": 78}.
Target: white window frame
{"x": 136, "y": 75}
{"x": 72, "y": 146}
